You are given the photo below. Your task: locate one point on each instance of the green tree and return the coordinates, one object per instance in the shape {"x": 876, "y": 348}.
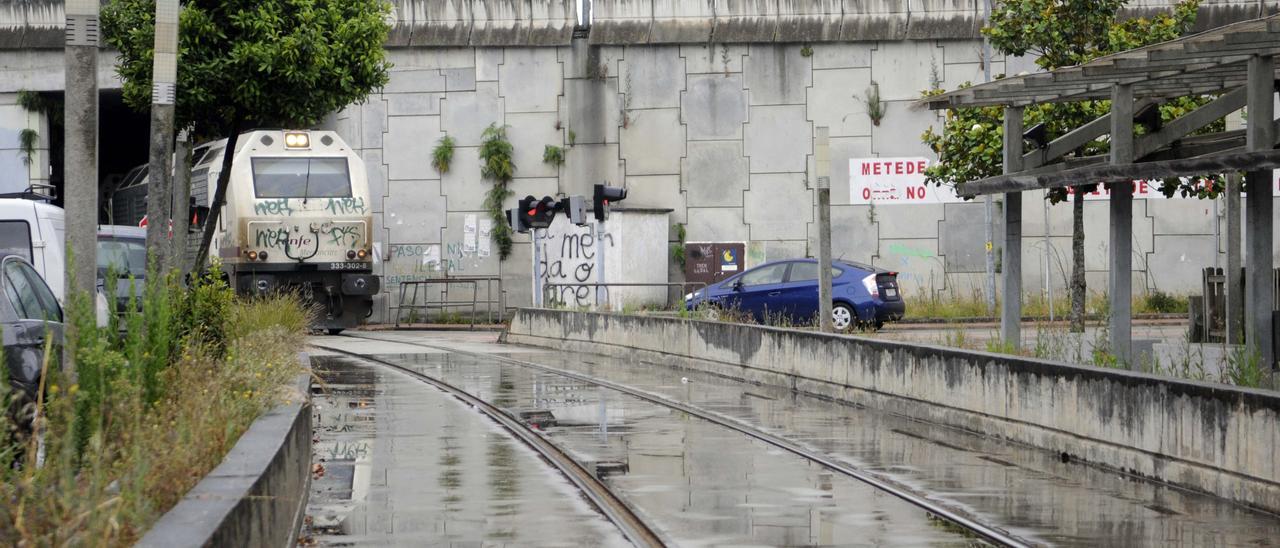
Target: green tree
{"x": 247, "y": 63}
{"x": 1059, "y": 33}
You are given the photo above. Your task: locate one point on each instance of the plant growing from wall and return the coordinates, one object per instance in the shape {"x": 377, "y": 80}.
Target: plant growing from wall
{"x": 573, "y": 138}
{"x": 677, "y": 249}
{"x": 497, "y": 163}
{"x": 724, "y": 58}
{"x": 553, "y": 155}
{"x": 442, "y": 155}
{"x": 806, "y": 51}
{"x": 27, "y": 140}
{"x": 875, "y": 107}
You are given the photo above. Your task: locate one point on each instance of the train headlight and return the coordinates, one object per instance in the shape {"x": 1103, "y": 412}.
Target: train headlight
{"x": 262, "y": 256}
{"x": 297, "y": 140}
{"x": 253, "y": 255}
{"x": 351, "y": 254}
{"x": 362, "y": 254}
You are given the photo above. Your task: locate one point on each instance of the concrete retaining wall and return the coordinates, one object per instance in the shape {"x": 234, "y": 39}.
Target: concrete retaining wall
{"x": 1211, "y": 438}
{"x": 258, "y": 495}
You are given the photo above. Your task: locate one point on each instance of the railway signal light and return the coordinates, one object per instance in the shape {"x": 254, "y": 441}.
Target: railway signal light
{"x": 601, "y": 198}
{"x": 542, "y": 212}
{"x": 521, "y": 218}
{"x": 575, "y": 207}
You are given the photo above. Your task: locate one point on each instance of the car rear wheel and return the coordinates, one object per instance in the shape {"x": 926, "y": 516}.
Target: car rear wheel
{"x": 841, "y": 316}
{"x": 335, "y": 330}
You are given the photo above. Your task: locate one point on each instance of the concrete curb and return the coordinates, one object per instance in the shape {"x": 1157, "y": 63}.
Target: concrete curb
{"x": 257, "y": 496}
{"x": 1211, "y": 438}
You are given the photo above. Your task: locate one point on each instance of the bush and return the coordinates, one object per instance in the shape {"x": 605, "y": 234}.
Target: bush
{"x": 1164, "y": 303}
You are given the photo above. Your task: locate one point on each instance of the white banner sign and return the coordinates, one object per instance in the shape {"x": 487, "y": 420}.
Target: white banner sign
{"x": 886, "y": 181}
{"x": 894, "y": 181}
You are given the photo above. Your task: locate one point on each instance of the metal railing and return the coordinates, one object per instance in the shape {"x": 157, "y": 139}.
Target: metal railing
{"x": 445, "y": 302}
{"x": 554, "y": 294}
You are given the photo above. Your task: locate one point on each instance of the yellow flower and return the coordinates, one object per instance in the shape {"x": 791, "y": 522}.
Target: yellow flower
{"x": 74, "y": 388}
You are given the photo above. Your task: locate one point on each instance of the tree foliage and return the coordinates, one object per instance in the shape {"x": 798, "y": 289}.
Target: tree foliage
{"x": 1061, "y": 33}
{"x": 271, "y": 62}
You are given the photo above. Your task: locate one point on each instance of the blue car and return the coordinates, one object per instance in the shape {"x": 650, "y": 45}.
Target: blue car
{"x": 863, "y": 295}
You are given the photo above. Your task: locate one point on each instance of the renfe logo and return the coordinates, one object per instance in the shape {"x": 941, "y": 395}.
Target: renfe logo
{"x": 894, "y": 181}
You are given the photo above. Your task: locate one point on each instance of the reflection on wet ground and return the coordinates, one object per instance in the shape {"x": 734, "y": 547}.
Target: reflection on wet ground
{"x": 401, "y": 463}
{"x": 699, "y": 483}
{"x": 709, "y": 486}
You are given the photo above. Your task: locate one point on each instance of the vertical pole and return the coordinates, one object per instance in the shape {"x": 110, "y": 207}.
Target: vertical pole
{"x": 1048, "y": 276}
{"x": 1258, "y": 211}
{"x": 80, "y": 156}
{"x": 822, "y": 168}
{"x": 1235, "y": 283}
{"x": 988, "y": 201}
{"x": 181, "y": 201}
{"x": 537, "y": 269}
{"x": 1011, "y": 307}
{"x": 600, "y": 277}
{"x": 164, "y": 78}
{"x": 1121, "y": 271}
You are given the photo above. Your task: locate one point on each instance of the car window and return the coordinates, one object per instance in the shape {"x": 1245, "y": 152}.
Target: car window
{"x": 15, "y": 238}
{"x": 770, "y": 274}
{"x": 804, "y": 272}
{"x": 21, "y": 294}
{"x": 48, "y": 303}
{"x": 127, "y": 255}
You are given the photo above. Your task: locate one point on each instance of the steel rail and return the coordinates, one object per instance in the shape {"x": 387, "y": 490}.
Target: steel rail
{"x": 614, "y": 508}
{"x": 986, "y": 532}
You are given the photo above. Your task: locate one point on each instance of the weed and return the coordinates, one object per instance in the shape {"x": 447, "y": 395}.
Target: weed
{"x": 442, "y": 155}
{"x": 553, "y": 155}
{"x": 1244, "y": 367}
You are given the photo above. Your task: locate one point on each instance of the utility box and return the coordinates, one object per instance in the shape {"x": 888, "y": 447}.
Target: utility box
{"x": 710, "y": 262}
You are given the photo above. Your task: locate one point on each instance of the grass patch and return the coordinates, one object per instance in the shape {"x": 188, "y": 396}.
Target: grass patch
{"x": 149, "y": 413}
{"x": 953, "y": 306}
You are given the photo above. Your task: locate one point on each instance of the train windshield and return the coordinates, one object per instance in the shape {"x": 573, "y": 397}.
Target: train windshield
{"x": 127, "y": 256}
{"x": 301, "y": 178}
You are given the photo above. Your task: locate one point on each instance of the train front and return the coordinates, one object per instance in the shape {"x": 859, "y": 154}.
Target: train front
{"x": 303, "y": 222}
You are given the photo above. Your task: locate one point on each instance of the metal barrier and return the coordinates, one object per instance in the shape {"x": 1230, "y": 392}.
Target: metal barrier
{"x": 445, "y": 303}
{"x": 1208, "y": 312}
{"x": 554, "y": 294}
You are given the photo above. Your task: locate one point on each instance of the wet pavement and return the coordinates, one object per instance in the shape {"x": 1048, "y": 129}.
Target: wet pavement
{"x": 705, "y": 485}
{"x": 404, "y": 464}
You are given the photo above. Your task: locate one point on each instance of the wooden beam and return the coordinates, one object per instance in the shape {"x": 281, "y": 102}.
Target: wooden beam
{"x": 1216, "y": 163}
{"x": 1192, "y": 121}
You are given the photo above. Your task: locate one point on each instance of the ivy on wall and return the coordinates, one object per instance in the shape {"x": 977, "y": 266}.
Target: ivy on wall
{"x": 496, "y": 163}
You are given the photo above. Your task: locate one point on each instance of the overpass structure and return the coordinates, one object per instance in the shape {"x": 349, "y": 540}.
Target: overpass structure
{"x": 703, "y": 108}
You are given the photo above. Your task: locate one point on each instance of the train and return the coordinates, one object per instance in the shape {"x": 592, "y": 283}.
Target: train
{"x": 297, "y": 217}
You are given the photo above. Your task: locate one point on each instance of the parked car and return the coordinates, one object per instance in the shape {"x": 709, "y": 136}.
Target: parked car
{"x": 35, "y": 230}
{"x": 861, "y": 294}
{"x": 124, "y": 249}
{"x": 29, "y": 316}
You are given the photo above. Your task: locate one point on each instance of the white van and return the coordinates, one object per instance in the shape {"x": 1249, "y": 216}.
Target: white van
{"x": 36, "y": 231}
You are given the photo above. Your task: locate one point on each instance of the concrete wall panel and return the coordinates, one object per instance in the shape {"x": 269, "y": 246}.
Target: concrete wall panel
{"x": 834, "y": 101}
{"x": 467, "y": 114}
{"x": 415, "y": 211}
{"x": 778, "y": 206}
{"x": 408, "y": 146}
{"x": 681, "y": 22}
{"x": 746, "y": 20}
{"x": 723, "y": 59}
{"x": 654, "y": 143}
{"x": 523, "y": 80}
{"x": 715, "y": 174}
{"x": 716, "y": 224}
{"x": 652, "y": 77}
{"x": 714, "y": 106}
{"x": 530, "y": 133}
{"x": 854, "y": 236}
{"x": 777, "y": 75}
{"x": 590, "y": 109}
{"x": 778, "y": 139}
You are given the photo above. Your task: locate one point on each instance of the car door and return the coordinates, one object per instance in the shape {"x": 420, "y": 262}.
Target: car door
{"x": 800, "y": 292}
{"x": 31, "y": 317}
{"x": 760, "y": 290}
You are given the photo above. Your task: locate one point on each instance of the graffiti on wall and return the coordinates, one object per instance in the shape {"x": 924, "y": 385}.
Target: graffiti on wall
{"x": 568, "y": 257}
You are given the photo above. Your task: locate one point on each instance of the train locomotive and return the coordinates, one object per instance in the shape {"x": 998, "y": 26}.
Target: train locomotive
{"x": 297, "y": 217}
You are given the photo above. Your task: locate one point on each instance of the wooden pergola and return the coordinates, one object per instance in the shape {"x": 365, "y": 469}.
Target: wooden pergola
{"x": 1234, "y": 63}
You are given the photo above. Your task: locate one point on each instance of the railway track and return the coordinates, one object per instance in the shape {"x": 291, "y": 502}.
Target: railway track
{"x": 617, "y": 511}
{"x": 982, "y": 530}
